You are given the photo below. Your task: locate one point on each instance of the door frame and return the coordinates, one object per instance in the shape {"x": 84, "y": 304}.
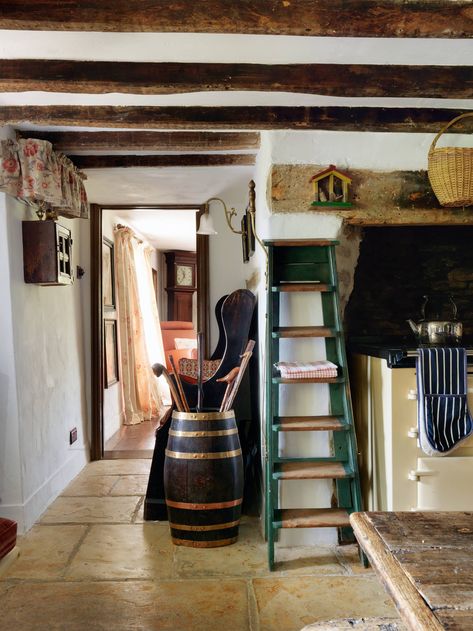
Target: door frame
{"x": 97, "y": 359}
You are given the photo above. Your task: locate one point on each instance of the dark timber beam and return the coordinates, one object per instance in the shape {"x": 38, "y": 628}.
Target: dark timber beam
{"x": 102, "y": 77}
{"x": 357, "y": 18}
{"x": 297, "y": 118}
{"x": 69, "y": 142}
{"x": 186, "y": 160}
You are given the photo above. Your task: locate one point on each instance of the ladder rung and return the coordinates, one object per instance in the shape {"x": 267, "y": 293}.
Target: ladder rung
{"x": 309, "y": 423}
{"x": 311, "y": 518}
{"x": 309, "y": 380}
{"x": 293, "y": 287}
{"x": 311, "y": 471}
{"x": 304, "y": 331}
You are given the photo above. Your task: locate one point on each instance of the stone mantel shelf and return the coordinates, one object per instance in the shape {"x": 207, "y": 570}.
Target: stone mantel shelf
{"x": 398, "y": 198}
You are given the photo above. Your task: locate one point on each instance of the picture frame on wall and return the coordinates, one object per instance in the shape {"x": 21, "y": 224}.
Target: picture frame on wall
{"x": 108, "y": 274}
{"x": 247, "y": 237}
{"x": 111, "y": 353}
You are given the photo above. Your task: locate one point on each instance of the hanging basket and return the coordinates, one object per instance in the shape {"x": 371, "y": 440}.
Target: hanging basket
{"x": 451, "y": 171}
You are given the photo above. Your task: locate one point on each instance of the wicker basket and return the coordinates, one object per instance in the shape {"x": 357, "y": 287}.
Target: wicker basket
{"x": 451, "y": 171}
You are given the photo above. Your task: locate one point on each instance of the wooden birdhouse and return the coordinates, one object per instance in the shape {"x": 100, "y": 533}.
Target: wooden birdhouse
{"x": 331, "y": 188}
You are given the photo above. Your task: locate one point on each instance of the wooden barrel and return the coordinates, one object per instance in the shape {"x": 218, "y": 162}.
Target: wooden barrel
{"x": 203, "y": 479}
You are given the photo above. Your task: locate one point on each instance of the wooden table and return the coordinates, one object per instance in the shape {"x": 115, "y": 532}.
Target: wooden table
{"x": 425, "y": 561}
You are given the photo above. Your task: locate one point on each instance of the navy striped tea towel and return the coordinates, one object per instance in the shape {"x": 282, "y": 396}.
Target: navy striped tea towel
{"x": 444, "y": 420}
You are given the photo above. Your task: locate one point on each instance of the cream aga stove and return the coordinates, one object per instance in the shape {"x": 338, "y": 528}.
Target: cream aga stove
{"x": 396, "y": 474}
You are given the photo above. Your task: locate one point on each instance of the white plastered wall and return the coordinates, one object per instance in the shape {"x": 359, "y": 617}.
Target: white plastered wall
{"x": 42, "y": 378}
{"x": 10, "y": 472}
{"x": 227, "y": 270}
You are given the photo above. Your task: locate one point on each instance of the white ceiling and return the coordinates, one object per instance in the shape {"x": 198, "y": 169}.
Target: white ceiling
{"x": 173, "y": 185}
{"x": 185, "y": 185}
{"x": 208, "y": 47}
{"x": 165, "y": 229}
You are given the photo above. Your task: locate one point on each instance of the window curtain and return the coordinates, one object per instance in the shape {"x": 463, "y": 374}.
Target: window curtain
{"x": 144, "y": 396}
{"x": 31, "y": 171}
{"x": 149, "y": 307}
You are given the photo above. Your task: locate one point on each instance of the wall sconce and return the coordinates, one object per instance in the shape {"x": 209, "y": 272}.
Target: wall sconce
{"x": 248, "y": 228}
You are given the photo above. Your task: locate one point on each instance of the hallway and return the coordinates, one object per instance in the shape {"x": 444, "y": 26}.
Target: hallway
{"x": 92, "y": 563}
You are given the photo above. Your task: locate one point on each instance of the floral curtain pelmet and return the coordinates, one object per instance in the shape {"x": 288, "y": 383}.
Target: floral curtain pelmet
{"x": 31, "y": 171}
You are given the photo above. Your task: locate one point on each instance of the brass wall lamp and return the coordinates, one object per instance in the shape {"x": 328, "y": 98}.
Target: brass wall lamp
{"x": 248, "y": 223}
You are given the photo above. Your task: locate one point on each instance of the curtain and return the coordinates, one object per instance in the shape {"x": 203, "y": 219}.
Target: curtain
{"x": 142, "y": 394}
{"x": 31, "y": 171}
{"x": 149, "y": 307}
{"x": 149, "y": 310}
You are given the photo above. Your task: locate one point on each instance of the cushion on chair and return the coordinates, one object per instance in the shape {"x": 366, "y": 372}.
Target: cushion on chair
{"x": 7, "y": 536}
{"x": 183, "y": 343}
{"x": 188, "y": 368}
{"x": 171, "y": 329}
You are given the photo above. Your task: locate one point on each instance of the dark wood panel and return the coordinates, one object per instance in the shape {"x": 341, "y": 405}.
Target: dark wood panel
{"x": 358, "y": 18}
{"x": 413, "y": 120}
{"x": 185, "y": 160}
{"x": 96, "y": 311}
{"x": 69, "y": 141}
{"x": 103, "y": 77}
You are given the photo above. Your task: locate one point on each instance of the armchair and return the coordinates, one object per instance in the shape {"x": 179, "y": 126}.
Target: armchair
{"x": 234, "y": 313}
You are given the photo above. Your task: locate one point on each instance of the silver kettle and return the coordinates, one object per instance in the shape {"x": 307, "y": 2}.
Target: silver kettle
{"x": 438, "y": 332}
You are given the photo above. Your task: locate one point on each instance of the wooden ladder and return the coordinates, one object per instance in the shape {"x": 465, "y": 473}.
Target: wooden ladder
{"x": 309, "y": 266}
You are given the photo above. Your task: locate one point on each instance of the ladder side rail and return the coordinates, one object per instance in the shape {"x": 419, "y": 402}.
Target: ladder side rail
{"x": 340, "y": 341}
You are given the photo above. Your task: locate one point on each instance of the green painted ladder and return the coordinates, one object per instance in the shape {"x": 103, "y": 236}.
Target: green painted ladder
{"x": 308, "y": 266}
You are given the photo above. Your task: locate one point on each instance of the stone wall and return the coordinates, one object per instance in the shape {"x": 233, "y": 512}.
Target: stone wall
{"x": 398, "y": 266}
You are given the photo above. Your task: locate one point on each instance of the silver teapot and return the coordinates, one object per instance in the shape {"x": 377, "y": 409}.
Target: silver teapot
{"x": 438, "y": 332}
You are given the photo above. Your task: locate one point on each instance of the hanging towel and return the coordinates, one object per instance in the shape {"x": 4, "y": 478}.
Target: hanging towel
{"x": 444, "y": 420}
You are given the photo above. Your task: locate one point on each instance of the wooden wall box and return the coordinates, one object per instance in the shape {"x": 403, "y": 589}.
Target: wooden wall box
{"x": 47, "y": 253}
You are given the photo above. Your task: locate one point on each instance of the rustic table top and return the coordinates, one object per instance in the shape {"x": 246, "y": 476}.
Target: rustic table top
{"x": 425, "y": 561}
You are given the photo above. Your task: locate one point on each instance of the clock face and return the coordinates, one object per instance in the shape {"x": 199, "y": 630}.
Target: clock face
{"x": 184, "y": 275}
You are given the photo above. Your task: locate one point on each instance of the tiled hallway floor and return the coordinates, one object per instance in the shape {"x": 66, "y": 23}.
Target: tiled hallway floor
{"x": 92, "y": 563}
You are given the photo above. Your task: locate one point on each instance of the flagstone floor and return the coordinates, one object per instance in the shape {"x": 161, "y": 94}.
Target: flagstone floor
{"x": 92, "y": 563}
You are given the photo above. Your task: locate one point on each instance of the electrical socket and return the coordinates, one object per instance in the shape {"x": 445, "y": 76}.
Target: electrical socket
{"x": 73, "y": 435}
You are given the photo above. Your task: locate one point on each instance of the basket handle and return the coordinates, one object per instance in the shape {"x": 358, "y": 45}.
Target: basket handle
{"x": 445, "y": 127}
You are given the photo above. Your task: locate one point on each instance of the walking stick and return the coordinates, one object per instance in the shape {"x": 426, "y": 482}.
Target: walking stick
{"x": 159, "y": 370}
{"x": 244, "y": 363}
{"x": 179, "y": 384}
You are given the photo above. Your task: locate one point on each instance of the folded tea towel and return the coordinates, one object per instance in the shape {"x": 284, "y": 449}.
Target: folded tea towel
{"x": 307, "y": 370}
{"x": 444, "y": 420}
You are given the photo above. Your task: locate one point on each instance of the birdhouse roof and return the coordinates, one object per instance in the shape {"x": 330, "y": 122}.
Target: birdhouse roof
{"x": 332, "y": 169}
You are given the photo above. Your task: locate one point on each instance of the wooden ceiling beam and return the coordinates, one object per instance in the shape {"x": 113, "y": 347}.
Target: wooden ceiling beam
{"x": 70, "y": 142}
{"x": 183, "y": 160}
{"x": 338, "y": 18}
{"x": 375, "y": 119}
{"x": 104, "y": 77}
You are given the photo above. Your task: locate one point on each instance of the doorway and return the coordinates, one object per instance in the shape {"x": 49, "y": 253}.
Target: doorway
{"x": 111, "y": 438}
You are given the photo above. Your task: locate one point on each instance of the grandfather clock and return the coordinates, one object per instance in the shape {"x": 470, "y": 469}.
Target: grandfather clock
{"x": 180, "y": 284}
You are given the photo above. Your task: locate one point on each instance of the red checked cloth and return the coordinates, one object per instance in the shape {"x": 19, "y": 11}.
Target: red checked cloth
{"x": 305, "y": 370}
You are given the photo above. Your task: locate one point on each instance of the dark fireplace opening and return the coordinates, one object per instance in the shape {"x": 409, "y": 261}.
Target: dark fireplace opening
{"x": 396, "y": 267}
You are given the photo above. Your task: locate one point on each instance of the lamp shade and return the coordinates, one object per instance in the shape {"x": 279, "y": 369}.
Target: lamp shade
{"x": 206, "y": 225}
